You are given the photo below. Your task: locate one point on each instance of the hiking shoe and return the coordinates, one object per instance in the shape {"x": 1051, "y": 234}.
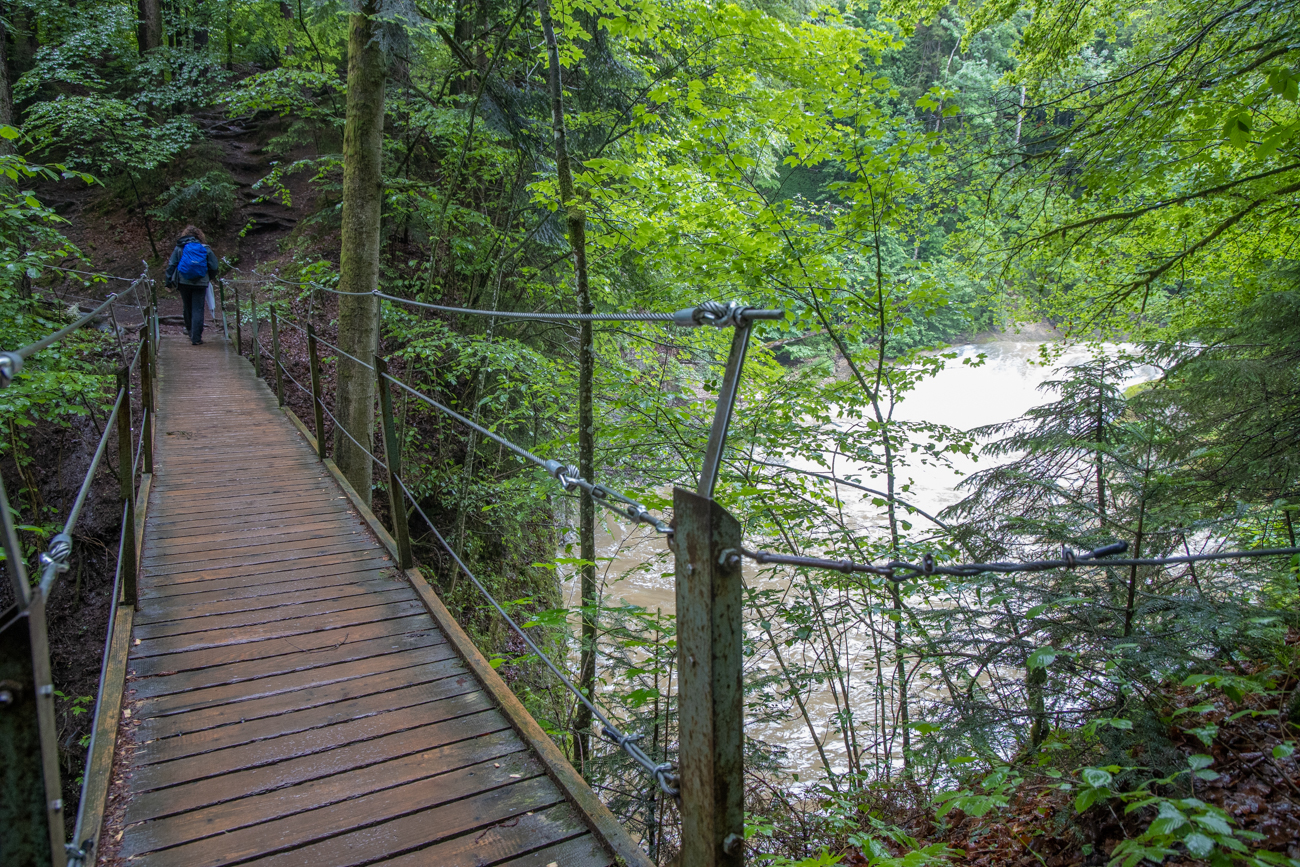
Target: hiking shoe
{"x": 196, "y": 341}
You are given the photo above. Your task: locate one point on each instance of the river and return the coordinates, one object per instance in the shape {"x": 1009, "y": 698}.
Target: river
{"x": 635, "y": 564}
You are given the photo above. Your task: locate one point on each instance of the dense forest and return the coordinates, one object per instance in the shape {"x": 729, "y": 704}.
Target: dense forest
{"x": 898, "y": 178}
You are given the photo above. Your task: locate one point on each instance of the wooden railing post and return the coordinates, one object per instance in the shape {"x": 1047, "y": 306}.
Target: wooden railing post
{"x": 256, "y": 352}
{"x": 710, "y": 696}
{"x": 239, "y": 331}
{"x": 126, "y": 476}
{"x": 275, "y": 356}
{"x": 316, "y": 404}
{"x": 393, "y": 457}
{"x": 146, "y": 395}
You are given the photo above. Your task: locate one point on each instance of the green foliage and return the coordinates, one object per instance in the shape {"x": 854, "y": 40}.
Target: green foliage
{"x": 209, "y": 198}
{"x": 1179, "y": 825}
{"x": 107, "y": 135}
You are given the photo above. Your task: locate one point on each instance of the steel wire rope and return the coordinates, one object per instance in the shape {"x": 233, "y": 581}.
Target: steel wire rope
{"x": 897, "y": 570}
{"x": 55, "y": 558}
{"x": 337, "y": 424}
{"x": 660, "y": 771}
{"x": 96, "y": 274}
{"x": 11, "y": 362}
{"x": 566, "y": 476}
{"x": 77, "y": 852}
{"x": 320, "y": 339}
{"x": 708, "y": 312}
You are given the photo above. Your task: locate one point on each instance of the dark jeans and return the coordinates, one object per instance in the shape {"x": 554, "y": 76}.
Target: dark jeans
{"x": 193, "y": 300}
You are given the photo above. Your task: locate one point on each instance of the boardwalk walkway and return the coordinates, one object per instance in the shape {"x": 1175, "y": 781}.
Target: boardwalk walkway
{"x": 289, "y": 697}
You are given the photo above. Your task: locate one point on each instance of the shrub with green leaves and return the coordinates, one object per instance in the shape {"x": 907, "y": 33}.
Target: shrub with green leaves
{"x": 210, "y": 198}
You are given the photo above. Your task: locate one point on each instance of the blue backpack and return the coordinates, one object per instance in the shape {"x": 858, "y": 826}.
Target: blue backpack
{"x": 193, "y": 266}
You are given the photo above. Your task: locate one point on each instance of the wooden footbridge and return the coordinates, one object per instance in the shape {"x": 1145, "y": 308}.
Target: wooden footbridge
{"x": 291, "y": 696}
{"x": 278, "y": 689}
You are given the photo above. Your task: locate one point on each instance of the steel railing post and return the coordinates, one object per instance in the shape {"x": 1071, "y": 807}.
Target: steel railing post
{"x": 126, "y": 476}
{"x": 275, "y": 356}
{"x": 256, "y": 350}
{"x": 146, "y": 399}
{"x": 393, "y": 457}
{"x": 225, "y": 326}
{"x": 314, "y": 360}
{"x": 710, "y": 634}
{"x": 30, "y": 791}
{"x": 239, "y": 331}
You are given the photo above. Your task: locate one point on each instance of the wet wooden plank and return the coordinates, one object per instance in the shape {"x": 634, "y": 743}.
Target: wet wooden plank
{"x": 340, "y": 637}
{"x": 505, "y": 838}
{"x": 455, "y": 696}
{"x": 275, "y": 704}
{"x": 246, "y": 690}
{"x": 302, "y": 626}
{"x": 273, "y": 817}
{"x": 273, "y": 614}
{"x": 584, "y": 851}
{"x": 189, "y": 796}
{"x": 419, "y": 635}
{"x": 309, "y": 569}
{"x": 269, "y": 751}
{"x": 435, "y": 823}
{"x": 188, "y": 607}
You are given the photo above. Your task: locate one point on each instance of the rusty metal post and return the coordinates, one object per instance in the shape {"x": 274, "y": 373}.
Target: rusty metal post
{"x": 275, "y": 356}
{"x": 239, "y": 331}
{"x": 314, "y": 359}
{"x": 146, "y": 396}
{"x": 710, "y": 633}
{"x": 393, "y": 457}
{"x": 126, "y": 475}
{"x": 256, "y": 350}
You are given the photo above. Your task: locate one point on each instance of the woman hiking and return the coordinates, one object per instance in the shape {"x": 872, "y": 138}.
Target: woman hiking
{"x": 190, "y": 268}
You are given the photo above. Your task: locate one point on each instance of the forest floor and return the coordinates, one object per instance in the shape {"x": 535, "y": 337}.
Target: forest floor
{"x": 1256, "y": 788}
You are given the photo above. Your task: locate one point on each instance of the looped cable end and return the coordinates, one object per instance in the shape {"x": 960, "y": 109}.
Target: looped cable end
{"x": 1068, "y": 556}
{"x": 11, "y": 364}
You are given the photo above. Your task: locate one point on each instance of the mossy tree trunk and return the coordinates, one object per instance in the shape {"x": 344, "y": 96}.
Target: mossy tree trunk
{"x": 148, "y": 25}
{"x": 363, "y": 135}
{"x": 576, "y": 225}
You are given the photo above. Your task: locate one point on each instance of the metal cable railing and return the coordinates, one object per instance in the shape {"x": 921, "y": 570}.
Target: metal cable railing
{"x": 54, "y": 561}
{"x": 322, "y": 340}
{"x": 707, "y": 313}
{"x": 566, "y": 476}
{"x": 898, "y": 571}
{"x": 11, "y": 363}
{"x": 662, "y": 772}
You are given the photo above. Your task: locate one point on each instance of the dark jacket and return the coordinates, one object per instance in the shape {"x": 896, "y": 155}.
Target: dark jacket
{"x": 174, "y": 262}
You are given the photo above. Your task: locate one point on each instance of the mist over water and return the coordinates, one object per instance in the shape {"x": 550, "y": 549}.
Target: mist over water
{"x": 636, "y": 566}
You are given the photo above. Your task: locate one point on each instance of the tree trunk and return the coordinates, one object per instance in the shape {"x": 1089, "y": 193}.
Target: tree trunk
{"x": 6, "y": 92}
{"x": 148, "y": 26}
{"x": 576, "y": 223}
{"x": 363, "y": 136}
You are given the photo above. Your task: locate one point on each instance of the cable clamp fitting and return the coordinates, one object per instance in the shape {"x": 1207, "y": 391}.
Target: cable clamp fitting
{"x": 59, "y": 551}
{"x": 565, "y": 475}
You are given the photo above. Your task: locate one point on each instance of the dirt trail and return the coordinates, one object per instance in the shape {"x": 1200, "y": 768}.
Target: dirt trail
{"x": 113, "y": 238}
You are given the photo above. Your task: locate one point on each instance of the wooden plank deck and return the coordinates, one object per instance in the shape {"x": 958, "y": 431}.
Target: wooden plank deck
{"x": 289, "y": 698}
